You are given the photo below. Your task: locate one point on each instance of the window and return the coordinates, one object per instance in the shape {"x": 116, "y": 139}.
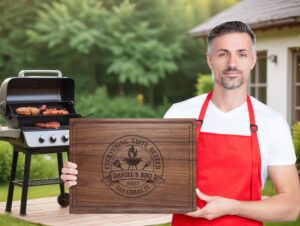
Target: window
{"x": 258, "y": 80}
{"x": 296, "y": 87}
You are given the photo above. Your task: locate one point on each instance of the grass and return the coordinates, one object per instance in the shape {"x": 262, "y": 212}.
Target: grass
{"x": 33, "y": 193}
{"x": 53, "y": 190}
{"x": 296, "y": 223}
{"x": 10, "y": 221}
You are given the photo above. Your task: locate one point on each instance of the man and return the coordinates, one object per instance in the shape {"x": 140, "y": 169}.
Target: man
{"x": 239, "y": 142}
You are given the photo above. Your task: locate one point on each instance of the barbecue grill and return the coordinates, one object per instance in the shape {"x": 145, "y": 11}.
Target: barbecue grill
{"x": 35, "y": 88}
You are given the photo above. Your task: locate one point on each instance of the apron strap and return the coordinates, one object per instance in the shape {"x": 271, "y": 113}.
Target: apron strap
{"x": 203, "y": 109}
{"x": 256, "y": 161}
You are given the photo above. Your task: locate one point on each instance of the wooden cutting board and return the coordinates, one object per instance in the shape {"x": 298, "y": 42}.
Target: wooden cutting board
{"x": 133, "y": 165}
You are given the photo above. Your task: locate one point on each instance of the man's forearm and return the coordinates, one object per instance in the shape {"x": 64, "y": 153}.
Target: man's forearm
{"x": 284, "y": 206}
{"x": 279, "y": 207}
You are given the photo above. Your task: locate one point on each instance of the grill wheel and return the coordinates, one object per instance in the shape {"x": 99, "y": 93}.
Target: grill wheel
{"x": 63, "y": 199}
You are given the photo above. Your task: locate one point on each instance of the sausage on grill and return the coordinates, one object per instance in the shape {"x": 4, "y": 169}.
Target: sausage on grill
{"x": 54, "y": 111}
{"x": 48, "y": 125}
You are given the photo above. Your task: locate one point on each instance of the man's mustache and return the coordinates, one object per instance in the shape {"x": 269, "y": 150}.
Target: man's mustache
{"x": 231, "y": 69}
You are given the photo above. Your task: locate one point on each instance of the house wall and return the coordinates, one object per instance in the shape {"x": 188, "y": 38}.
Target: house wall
{"x": 279, "y": 42}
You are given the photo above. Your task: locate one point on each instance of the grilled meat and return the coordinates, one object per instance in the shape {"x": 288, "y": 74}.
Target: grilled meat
{"x": 27, "y": 111}
{"x": 42, "y": 110}
{"x": 54, "y": 111}
{"x": 48, "y": 125}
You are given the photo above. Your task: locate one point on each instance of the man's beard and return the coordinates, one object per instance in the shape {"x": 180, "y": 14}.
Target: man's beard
{"x": 230, "y": 83}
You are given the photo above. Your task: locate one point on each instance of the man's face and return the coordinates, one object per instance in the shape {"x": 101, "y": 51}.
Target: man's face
{"x": 231, "y": 59}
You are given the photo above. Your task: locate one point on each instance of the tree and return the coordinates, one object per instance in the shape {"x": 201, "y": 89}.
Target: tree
{"x": 140, "y": 45}
{"x": 16, "y": 17}
{"x": 119, "y": 39}
{"x": 72, "y": 33}
{"x": 188, "y": 14}
{"x": 138, "y": 54}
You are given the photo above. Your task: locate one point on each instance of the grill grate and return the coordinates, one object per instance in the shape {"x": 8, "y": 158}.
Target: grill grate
{"x": 17, "y": 121}
{"x": 59, "y": 105}
{"x": 38, "y": 182}
{"x": 25, "y": 121}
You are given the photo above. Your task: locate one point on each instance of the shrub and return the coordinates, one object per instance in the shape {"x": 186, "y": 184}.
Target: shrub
{"x": 5, "y": 160}
{"x": 296, "y": 141}
{"x": 42, "y": 166}
{"x": 100, "y": 105}
{"x": 204, "y": 83}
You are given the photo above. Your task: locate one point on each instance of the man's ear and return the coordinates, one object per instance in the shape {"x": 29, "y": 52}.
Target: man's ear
{"x": 209, "y": 60}
{"x": 254, "y": 58}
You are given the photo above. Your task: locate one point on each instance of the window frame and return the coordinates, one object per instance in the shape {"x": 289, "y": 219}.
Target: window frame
{"x": 257, "y": 85}
{"x": 295, "y": 84}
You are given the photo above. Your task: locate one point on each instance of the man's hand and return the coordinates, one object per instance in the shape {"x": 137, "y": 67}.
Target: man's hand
{"x": 69, "y": 172}
{"x": 215, "y": 207}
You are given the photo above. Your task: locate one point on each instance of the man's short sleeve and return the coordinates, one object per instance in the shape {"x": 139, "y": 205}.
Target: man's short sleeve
{"x": 282, "y": 150}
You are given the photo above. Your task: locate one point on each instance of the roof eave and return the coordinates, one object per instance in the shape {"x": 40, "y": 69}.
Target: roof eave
{"x": 264, "y": 25}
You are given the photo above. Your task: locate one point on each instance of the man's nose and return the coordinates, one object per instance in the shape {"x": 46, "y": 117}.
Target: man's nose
{"x": 231, "y": 61}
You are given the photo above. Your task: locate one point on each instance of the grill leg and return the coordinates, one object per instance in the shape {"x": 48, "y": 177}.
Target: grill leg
{"x": 60, "y": 166}
{"x": 11, "y": 181}
{"x": 25, "y": 183}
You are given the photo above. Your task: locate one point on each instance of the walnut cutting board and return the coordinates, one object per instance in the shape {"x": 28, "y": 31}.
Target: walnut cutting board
{"x": 133, "y": 165}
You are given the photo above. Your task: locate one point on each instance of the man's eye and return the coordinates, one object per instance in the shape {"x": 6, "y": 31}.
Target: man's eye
{"x": 222, "y": 54}
{"x": 243, "y": 55}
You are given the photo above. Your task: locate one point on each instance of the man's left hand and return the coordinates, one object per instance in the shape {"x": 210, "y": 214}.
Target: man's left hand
{"x": 215, "y": 207}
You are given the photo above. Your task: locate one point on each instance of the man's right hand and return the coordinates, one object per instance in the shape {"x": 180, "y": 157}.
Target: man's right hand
{"x": 69, "y": 174}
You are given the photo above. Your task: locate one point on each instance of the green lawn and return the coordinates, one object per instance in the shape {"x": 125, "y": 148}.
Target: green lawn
{"x": 10, "y": 221}
{"x": 34, "y": 192}
{"x": 53, "y": 190}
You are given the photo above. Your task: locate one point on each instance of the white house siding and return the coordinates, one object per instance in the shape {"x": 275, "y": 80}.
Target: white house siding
{"x": 279, "y": 75}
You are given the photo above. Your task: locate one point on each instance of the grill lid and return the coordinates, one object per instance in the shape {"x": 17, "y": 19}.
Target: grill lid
{"x": 45, "y": 86}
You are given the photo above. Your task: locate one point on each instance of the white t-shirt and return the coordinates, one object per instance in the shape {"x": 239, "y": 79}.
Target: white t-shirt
{"x": 274, "y": 136}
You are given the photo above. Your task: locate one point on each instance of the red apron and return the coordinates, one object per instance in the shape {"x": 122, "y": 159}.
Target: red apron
{"x": 227, "y": 166}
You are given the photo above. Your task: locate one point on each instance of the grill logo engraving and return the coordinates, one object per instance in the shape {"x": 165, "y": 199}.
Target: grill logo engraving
{"x": 132, "y": 166}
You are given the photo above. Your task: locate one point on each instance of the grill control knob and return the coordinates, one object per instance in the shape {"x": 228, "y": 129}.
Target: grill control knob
{"x": 65, "y": 138}
{"x": 41, "y": 139}
{"x": 52, "y": 139}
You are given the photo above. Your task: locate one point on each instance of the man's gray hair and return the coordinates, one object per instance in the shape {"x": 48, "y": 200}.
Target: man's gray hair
{"x": 230, "y": 27}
